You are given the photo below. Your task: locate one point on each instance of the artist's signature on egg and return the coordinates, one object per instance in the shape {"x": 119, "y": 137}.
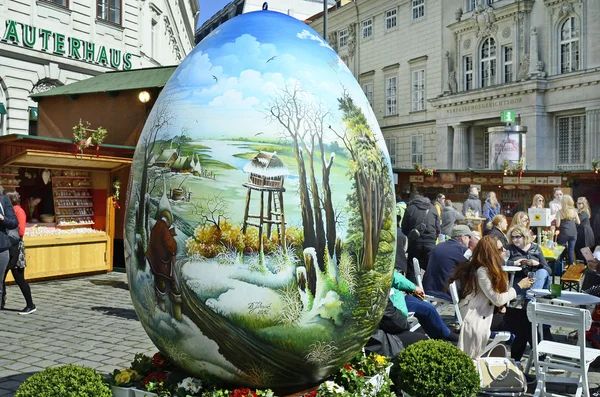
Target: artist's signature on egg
{"x": 258, "y": 308}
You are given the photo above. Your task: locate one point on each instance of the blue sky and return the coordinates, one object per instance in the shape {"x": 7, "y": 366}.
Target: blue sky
{"x": 223, "y": 87}
{"x": 208, "y": 8}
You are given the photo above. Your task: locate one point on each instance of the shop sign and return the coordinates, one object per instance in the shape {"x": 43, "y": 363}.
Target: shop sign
{"x": 554, "y": 180}
{"x": 507, "y": 147}
{"x": 527, "y": 180}
{"x": 19, "y": 33}
{"x": 416, "y": 178}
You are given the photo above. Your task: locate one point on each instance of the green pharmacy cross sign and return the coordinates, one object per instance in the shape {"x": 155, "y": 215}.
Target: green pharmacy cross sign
{"x": 508, "y": 116}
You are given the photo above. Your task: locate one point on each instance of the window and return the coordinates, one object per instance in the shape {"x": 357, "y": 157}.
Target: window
{"x": 418, "y": 9}
{"x": 64, "y": 3}
{"x": 471, "y": 5}
{"x": 507, "y": 64}
{"x": 343, "y": 37}
{"x": 368, "y": 90}
{"x": 569, "y": 46}
{"x": 468, "y": 72}
{"x": 367, "y": 28}
{"x": 416, "y": 149}
{"x": 390, "y": 19}
{"x": 390, "y": 96}
{"x": 391, "y": 147}
{"x": 109, "y": 10}
{"x": 488, "y": 62}
{"x": 418, "y": 90}
{"x": 571, "y": 142}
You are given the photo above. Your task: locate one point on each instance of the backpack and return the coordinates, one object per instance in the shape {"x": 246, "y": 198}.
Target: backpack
{"x": 420, "y": 228}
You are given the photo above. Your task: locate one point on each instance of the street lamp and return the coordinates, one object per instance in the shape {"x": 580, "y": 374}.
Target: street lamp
{"x": 144, "y": 96}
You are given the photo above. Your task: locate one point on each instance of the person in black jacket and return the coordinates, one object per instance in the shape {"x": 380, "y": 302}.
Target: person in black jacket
{"x": 528, "y": 255}
{"x": 497, "y": 227}
{"x": 400, "y": 264}
{"x": 8, "y": 220}
{"x": 421, "y": 225}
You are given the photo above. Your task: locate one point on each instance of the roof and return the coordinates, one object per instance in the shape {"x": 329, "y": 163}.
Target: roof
{"x": 166, "y": 155}
{"x": 118, "y": 80}
{"x": 182, "y": 163}
{"x": 266, "y": 164}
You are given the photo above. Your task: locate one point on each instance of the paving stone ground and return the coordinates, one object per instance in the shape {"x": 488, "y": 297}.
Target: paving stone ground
{"x": 87, "y": 321}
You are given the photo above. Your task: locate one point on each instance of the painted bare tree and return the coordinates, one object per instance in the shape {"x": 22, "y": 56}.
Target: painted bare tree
{"x": 289, "y": 110}
{"x": 370, "y": 171}
{"x": 161, "y": 118}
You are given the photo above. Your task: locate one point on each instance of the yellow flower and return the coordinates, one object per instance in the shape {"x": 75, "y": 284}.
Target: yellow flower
{"x": 380, "y": 359}
{"x": 123, "y": 377}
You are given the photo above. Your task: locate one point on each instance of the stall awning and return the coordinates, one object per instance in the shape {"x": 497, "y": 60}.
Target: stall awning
{"x": 47, "y": 159}
{"x": 2, "y": 109}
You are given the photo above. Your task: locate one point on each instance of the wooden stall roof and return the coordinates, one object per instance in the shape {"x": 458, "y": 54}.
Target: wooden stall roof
{"x": 45, "y": 159}
{"x": 43, "y": 152}
{"x": 114, "y": 81}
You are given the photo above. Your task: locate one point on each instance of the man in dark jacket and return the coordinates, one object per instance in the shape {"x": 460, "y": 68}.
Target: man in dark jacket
{"x": 444, "y": 258}
{"x": 421, "y": 225}
{"x": 8, "y": 220}
{"x": 473, "y": 202}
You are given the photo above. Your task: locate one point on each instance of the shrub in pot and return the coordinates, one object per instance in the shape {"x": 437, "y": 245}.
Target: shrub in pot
{"x": 67, "y": 380}
{"x": 432, "y": 368}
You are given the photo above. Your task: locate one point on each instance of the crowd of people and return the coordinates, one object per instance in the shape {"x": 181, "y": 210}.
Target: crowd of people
{"x": 448, "y": 250}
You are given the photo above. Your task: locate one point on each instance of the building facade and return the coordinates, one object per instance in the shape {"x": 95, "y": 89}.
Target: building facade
{"x": 538, "y": 58}
{"x": 395, "y": 54}
{"x": 299, "y": 9}
{"x": 48, "y": 43}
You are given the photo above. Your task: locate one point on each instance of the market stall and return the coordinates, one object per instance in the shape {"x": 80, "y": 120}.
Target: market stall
{"x": 71, "y": 203}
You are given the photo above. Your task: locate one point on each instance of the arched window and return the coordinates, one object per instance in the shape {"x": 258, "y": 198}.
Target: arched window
{"x": 488, "y": 63}
{"x": 569, "y": 46}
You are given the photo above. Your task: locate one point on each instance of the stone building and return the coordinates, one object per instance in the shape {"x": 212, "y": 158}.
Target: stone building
{"x": 538, "y": 58}
{"x": 49, "y": 43}
{"x": 299, "y": 9}
{"x": 394, "y": 50}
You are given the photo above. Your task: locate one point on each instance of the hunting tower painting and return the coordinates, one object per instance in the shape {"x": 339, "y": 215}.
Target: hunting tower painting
{"x": 266, "y": 173}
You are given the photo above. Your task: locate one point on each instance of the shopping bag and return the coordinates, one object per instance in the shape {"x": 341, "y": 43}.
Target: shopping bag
{"x": 500, "y": 376}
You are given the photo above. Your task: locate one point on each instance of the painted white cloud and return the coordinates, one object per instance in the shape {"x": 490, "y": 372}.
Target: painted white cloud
{"x": 233, "y": 100}
{"x": 305, "y": 34}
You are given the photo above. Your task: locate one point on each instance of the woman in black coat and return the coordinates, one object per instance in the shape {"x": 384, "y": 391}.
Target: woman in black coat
{"x": 497, "y": 227}
{"x": 585, "y": 234}
{"x": 8, "y": 220}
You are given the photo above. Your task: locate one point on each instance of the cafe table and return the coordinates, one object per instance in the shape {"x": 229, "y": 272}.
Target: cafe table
{"x": 512, "y": 270}
{"x": 567, "y": 298}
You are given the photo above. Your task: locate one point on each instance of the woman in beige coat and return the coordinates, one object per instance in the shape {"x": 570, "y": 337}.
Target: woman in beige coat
{"x": 484, "y": 292}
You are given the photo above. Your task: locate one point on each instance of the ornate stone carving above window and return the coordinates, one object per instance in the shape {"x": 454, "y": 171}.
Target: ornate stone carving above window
{"x": 333, "y": 40}
{"x": 563, "y": 7}
{"x": 351, "y": 40}
{"x": 484, "y": 21}
{"x": 45, "y": 84}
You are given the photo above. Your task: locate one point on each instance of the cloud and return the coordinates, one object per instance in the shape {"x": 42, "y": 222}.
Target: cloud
{"x": 233, "y": 100}
{"x": 305, "y": 34}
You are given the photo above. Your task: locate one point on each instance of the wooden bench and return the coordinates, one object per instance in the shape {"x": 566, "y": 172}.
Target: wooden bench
{"x": 571, "y": 278}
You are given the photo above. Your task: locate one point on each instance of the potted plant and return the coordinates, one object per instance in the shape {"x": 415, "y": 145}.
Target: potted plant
{"x": 121, "y": 382}
{"x": 67, "y": 380}
{"x": 432, "y": 368}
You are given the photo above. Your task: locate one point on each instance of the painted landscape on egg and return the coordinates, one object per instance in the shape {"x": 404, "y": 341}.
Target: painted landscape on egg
{"x": 260, "y": 231}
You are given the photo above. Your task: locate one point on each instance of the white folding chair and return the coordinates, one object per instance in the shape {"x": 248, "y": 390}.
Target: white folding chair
{"x": 574, "y": 359}
{"x": 413, "y": 322}
{"x": 439, "y": 303}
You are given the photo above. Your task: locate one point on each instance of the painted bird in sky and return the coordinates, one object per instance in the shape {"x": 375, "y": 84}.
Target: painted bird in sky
{"x": 270, "y": 59}
{"x": 215, "y": 78}
{"x": 258, "y": 133}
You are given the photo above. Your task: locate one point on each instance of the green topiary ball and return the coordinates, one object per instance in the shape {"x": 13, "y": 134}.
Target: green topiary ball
{"x": 65, "y": 381}
{"x": 433, "y": 368}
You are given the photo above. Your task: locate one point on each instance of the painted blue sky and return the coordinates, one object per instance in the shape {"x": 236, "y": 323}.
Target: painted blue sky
{"x": 223, "y": 86}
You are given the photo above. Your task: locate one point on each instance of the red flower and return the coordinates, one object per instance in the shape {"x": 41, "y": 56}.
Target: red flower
{"x": 348, "y": 367}
{"x": 360, "y": 373}
{"x": 154, "y": 376}
{"x": 243, "y": 392}
{"x": 158, "y": 361}
{"x": 312, "y": 394}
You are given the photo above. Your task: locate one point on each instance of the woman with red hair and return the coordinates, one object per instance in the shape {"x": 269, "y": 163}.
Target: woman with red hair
{"x": 484, "y": 293}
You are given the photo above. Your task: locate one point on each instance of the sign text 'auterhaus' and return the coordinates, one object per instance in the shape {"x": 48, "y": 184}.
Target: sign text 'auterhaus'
{"x": 19, "y": 33}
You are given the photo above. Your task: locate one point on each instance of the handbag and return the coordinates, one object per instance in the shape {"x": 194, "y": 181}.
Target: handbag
{"x": 500, "y": 376}
{"x": 13, "y": 234}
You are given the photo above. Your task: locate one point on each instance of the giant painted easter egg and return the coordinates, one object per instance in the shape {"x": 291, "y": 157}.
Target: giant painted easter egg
{"x": 260, "y": 226}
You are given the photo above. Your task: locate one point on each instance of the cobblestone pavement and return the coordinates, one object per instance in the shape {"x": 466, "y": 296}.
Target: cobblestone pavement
{"x": 86, "y": 321}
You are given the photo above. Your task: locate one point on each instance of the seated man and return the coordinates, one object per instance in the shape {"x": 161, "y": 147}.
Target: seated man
{"x": 425, "y": 312}
{"x": 444, "y": 258}
{"x": 392, "y": 333}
